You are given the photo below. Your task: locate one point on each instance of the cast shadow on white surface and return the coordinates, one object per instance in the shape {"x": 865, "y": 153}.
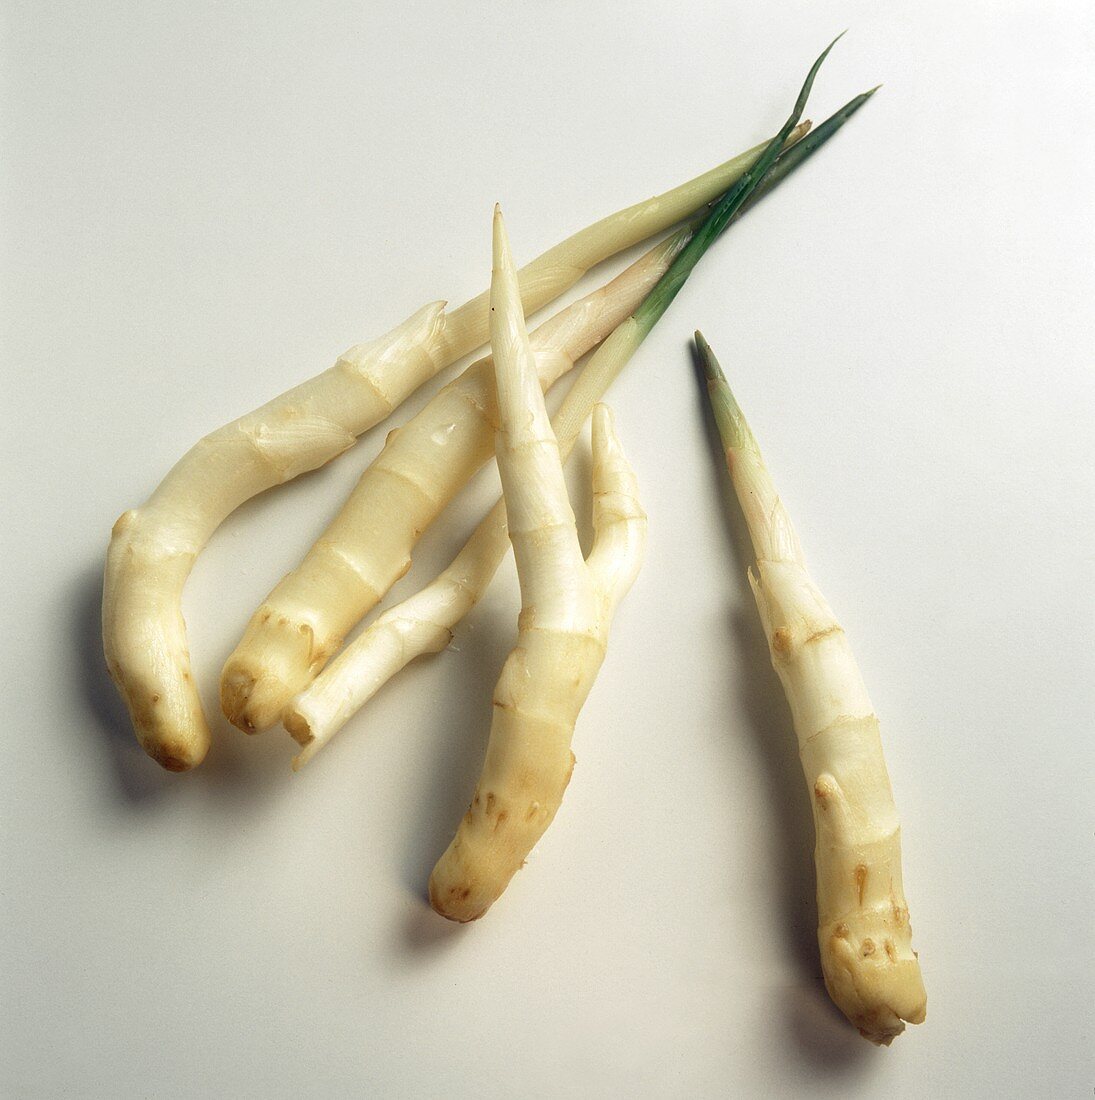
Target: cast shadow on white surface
{"x": 447, "y": 784}
{"x": 485, "y": 640}
{"x": 817, "y": 1027}
{"x": 232, "y": 761}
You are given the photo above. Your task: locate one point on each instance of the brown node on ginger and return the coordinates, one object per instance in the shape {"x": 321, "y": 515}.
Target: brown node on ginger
{"x": 823, "y": 791}
{"x": 820, "y": 635}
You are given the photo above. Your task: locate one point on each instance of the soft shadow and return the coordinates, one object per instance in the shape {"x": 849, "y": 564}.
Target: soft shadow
{"x": 423, "y": 933}
{"x": 138, "y": 778}
{"x": 768, "y": 717}
{"x": 460, "y": 742}
{"x": 823, "y": 1034}
{"x": 238, "y": 768}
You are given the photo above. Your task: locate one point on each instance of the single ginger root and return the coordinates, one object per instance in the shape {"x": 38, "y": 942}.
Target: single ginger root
{"x": 567, "y": 605}
{"x": 870, "y": 968}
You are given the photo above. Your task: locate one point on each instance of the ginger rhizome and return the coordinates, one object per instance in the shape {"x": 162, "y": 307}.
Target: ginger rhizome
{"x": 367, "y": 547}
{"x": 566, "y": 603}
{"x": 566, "y": 608}
{"x": 424, "y": 622}
{"x": 153, "y": 547}
{"x": 870, "y": 968}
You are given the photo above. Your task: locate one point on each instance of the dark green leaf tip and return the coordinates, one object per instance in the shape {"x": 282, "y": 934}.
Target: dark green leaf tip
{"x": 667, "y": 288}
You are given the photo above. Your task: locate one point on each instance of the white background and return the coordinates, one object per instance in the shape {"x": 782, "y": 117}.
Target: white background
{"x": 205, "y": 203}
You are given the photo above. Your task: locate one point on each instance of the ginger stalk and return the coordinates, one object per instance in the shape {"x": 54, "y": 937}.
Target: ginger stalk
{"x": 566, "y": 608}
{"x": 870, "y": 968}
{"x": 368, "y": 546}
{"x": 566, "y": 603}
{"x": 153, "y": 548}
{"x": 424, "y": 622}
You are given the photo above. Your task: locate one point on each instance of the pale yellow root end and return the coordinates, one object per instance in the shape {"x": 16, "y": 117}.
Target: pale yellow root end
{"x": 876, "y": 989}
{"x": 252, "y": 703}
{"x": 175, "y": 755}
{"x": 499, "y": 829}
{"x": 167, "y": 719}
{"x": 298, "y": 727}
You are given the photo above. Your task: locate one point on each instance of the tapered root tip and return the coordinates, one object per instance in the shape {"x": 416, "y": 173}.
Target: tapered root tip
{"x": 500, "y": 249}
{"x": 711, "y": 366}
{"x": 175, "y": 755}
{"x": 452, "y": 901}
{"x": 729, "y": 419}
{"x": 708, "y": 360}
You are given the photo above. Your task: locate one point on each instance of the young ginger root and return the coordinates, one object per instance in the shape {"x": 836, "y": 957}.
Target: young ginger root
{"x": 424, "y": 623}
{"x": 367, "y": 547}
{"x": 870, "y": 968}
{"x": 567, "y": 605}
{"x": 153, "y": 547}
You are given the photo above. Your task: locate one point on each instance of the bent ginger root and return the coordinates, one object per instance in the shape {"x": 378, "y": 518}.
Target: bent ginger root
{"x": 567, "y": 605}
{"x": 153, "y": 547}
{"x": 870, "y": 968}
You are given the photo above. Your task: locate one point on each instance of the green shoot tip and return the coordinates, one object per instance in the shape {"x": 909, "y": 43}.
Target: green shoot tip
{"x": 729, "y": 419}
{"x": 711, "y": 366}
